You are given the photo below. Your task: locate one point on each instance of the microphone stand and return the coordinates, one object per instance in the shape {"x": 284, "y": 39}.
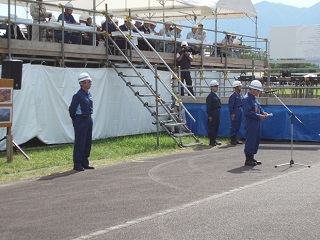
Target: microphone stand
{"x": 292, "y": 117}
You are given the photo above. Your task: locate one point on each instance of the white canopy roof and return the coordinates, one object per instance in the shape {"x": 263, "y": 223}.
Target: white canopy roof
{"x": 167, "y": 9}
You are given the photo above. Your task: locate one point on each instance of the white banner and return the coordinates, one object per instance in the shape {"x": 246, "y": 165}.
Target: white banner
{"x": 40, "y": 108}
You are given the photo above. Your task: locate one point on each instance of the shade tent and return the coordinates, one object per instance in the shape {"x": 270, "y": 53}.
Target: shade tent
{"x": 157, "y": 9}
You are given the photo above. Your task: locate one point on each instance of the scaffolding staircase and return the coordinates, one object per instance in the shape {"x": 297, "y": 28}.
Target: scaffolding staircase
{"x": 164, "y": 117}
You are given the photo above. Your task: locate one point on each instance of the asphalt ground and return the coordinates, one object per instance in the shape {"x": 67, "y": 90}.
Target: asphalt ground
{"x": 201, "y": 194}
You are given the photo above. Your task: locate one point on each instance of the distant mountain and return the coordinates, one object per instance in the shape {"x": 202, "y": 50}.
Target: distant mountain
{"x": 269, "y": 14}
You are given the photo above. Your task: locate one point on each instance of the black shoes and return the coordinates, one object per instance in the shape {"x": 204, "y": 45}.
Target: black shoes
{"x": 250, "y": 163}
{"x": 215, "y": 143}
{"x": 79, "y": 169}
{"x": 257, "y": 162}
{"x": 88, "y": 167}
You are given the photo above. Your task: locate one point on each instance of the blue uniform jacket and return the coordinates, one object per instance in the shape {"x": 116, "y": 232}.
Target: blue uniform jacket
{"x": 235, "y": 102}
{"x": 213, "y": 104}
{"x": 81, "y": 104}
{"x": 251, "y": 107}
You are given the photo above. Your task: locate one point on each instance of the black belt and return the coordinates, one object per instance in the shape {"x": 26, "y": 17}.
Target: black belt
{"x": 83, "y": 115}
{"x": 238, "y": 107}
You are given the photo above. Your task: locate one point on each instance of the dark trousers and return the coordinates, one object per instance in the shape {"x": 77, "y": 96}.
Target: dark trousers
{"x": 213, "y": 127}
{"x": 68, "y": 37}
{"x": 186, "y": 77}
{"x": 236, "y": 123}
{"x": 82, "y": 140}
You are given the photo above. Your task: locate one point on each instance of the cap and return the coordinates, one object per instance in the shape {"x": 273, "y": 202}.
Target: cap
{"x": 214, "y": 83}
{"x": 68, "y": 6}
{"x": 184, "y": 43}
{"x": 194, "y": 26}
{"x": 179, "y": 27}
{"x": 83, "y": 77}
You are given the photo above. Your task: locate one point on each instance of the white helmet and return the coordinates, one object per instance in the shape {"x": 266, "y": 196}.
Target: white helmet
{"x": 214, "y": 83}
{"x": 184, "y": 43}
{"x": 83, "y": 77}
{"x": 83, "y": 17}
{"x": 255, "y": 84}
{"x": 68, "y": 6}
{"x": 236, "y": 84}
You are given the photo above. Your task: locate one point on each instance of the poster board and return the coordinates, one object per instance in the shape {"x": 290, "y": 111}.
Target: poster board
{"x": 6, "y": 102}
{"x": 291, "y": 42}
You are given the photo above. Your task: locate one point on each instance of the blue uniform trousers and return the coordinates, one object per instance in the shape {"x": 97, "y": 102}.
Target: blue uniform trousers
{"x": 236, "y": 123}
{"x": 252, "y": 128}
{"x": 82, "y": 140}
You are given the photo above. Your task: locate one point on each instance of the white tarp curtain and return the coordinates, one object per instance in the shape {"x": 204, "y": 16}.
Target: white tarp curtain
{"x": 41, "y": 106}
{"x": 172, "y": 9}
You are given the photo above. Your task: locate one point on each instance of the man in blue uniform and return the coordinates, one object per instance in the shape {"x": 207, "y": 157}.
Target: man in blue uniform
{"x": 253, "y": 114}
{"x": 80, "y": 111}
{"x": 235, "y": 109}
{"x": 69, "y": 37}
{"x": 213, "y": 111}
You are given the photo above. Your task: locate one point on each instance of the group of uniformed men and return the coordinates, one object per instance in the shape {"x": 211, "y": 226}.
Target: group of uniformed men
{"x": 249, "y": 106}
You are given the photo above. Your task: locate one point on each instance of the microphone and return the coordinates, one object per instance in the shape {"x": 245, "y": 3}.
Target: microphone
{"x": 270, "y": 91}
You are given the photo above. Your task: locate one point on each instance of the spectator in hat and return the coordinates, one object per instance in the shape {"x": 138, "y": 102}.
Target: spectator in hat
{"x": 87, "y": 37}
{"x": 108, "y": 22}
{"x": 152, "y": 28}
{"x": 145, "y": 28}
{"x": 225, "y": 49}
{"x": 138, "y": 23}
{"x": 69, "y": 37}
{"x": 166, "y": 31}
{"x": 194, "y": 33}
{"x": 176, "y": 32}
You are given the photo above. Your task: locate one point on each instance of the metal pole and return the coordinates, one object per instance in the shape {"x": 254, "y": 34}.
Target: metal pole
{"x": 9, "y": 30}
{"x": 157, "y": 104}
{"x": 94, "y": 35}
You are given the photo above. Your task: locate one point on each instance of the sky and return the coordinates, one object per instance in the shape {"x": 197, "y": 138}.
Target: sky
{"x": 295, "y": 3}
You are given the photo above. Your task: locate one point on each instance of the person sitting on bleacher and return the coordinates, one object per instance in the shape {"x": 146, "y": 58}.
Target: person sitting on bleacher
{"x": 87, "y": 37}
{"x": 111, "y": 26}
{"x": 166, "y": 31}
{"x": 194, "y": 33}
{"x": 69, "y": 37}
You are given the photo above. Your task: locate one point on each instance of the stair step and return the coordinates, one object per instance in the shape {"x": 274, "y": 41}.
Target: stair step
{"x": 191, "y": 144}
{"x": 144, "y": 95}
{"x": 170, "y": 124}
{"x": 183, "y": 134}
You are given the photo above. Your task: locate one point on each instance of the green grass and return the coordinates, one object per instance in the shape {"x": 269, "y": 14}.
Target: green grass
{"x": 47, "y": 160}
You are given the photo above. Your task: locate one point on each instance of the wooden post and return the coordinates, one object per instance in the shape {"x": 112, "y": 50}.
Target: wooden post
{"x": 9, "y": 145}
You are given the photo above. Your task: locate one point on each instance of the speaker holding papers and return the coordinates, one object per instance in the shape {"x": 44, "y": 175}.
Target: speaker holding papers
{"x": 12, "y": 69}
